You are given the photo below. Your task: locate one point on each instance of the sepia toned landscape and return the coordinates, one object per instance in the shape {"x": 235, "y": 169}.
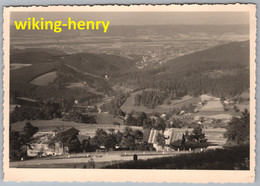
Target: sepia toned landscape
{"x": 143, "y": 96}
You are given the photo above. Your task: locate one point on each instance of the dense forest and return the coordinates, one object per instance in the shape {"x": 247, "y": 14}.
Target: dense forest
{"x": 149, "y": 99}
{"x": 220, "y": 71}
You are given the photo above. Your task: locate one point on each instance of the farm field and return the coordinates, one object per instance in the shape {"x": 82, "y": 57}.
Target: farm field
{"x": 48, "y": 125}
{"x": 180, "y": 100}
{"x": 215, "y": 109}
{"x": 105, "y": 118}
{"x": 89, "y": 129}
{"x": 213, "y": 106}
{"x": 45, "y": 79}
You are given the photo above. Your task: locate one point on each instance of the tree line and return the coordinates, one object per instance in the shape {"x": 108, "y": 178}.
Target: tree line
{"x": 149, "y": 99}
{"x": 143, "y": 120}
{"x": 20, "y": 141}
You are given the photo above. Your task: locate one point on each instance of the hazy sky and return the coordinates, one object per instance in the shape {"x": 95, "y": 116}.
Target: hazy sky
{"x": 142, "y": 18}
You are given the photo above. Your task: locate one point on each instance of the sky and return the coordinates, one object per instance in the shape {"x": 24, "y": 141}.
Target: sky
{"x": 142, "y": 18}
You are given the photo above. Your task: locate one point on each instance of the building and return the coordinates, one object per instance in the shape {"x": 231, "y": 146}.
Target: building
{"x": 168, "y": 136}
{"x": 150, "y": 136}
{"x": 49, "y": 144}
{"x": 42, "y": 146}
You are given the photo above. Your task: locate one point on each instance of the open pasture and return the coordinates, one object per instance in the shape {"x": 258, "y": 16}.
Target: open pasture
{"x": 213, "y": 104}
{"x": 105, "y": 118}
{"x": 45, "y": 79}
{"x": 47, "y": 125}
{"x": 27, "y": 74}
{"x": 104, "y": 121}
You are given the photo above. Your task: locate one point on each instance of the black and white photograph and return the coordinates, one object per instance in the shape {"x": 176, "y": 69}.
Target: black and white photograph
{"x": 130, "y": 89}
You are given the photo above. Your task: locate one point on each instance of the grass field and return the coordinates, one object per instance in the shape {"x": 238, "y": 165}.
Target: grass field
{"x": 45, "y": 79}
{"x": 48, "y": 125}
{"x": 213, "y": 106}
{"x": 105, "y": 119}
{"x": 105, "y": 122}
{"x": 29, "y": 73}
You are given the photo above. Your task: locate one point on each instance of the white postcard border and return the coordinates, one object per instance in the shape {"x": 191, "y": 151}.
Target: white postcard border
{"x": 136, "y": 175}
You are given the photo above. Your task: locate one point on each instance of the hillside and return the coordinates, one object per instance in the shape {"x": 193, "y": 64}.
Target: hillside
{"x": 232, "y": 55}
{"x": 220, "y": 71}
{"x": 99, "y": 64}
{"x": 45, "y": 74}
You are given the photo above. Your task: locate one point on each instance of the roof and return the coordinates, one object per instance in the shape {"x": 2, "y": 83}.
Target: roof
{"x": 82, "y": 137}
{"x": 146, "y": 135}
{"x": 71, "y": 132}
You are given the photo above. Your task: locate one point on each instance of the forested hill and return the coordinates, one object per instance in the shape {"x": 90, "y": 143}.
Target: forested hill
{"x": 220, "y": 71}
{"x": 89, "y": 72}
{"x": 231, "y": 55}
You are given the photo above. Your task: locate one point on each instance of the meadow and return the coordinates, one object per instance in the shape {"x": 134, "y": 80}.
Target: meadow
{"x": 29, "y": 73}
{"x": 45, "y": 79}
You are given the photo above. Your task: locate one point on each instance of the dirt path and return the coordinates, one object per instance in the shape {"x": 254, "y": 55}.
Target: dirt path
{"x": 104, "y": 159}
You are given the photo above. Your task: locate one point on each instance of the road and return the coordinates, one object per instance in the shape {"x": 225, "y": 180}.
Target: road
{"x": 99, "y": 159}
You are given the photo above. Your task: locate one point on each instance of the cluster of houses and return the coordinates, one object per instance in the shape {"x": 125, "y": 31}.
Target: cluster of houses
{"x": 44, "y": 145}
{"x": 170, "y": 135}
{"x": 40, "y": 146}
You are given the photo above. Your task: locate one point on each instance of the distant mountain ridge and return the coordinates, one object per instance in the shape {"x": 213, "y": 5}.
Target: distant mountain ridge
{"x": 134, "y": 30}
{"x": 34, "y": 55}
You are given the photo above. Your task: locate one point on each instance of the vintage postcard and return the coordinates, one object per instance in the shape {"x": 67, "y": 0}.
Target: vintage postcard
{"x": 135, "y": 93}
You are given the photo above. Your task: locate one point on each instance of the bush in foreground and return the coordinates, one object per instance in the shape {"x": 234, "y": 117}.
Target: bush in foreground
{"x": 234, "y": 158}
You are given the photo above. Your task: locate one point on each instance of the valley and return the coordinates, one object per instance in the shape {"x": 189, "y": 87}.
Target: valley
{"x": 106, "y": 94}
